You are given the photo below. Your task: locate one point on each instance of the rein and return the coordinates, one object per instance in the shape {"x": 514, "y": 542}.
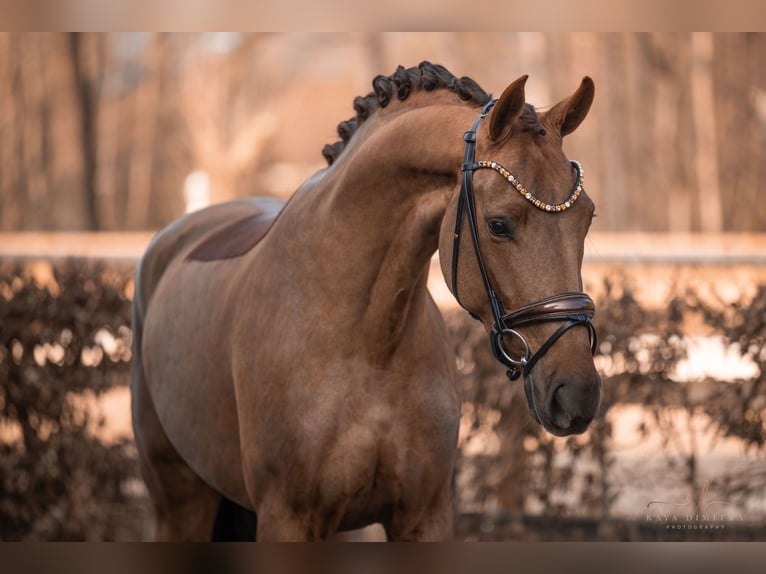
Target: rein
{"x": 572, "y": 308}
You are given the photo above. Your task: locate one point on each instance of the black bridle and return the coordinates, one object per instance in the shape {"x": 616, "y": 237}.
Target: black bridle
{"x": 571, "y": 308}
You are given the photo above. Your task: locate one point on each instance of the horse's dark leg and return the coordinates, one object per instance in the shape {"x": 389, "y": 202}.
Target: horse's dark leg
{"x": 234, "y": 523}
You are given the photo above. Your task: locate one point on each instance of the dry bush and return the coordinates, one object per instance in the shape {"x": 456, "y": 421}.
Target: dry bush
{"x": 64, "y": 332}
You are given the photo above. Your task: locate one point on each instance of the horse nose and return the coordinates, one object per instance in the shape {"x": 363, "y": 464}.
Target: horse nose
{"x": 573, "y": 405}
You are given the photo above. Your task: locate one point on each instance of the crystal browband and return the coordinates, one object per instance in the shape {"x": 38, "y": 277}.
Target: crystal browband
{"x": 531, "y": 198}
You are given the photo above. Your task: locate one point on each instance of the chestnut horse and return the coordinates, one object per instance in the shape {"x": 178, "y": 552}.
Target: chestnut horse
{"x": 289, "y": 360}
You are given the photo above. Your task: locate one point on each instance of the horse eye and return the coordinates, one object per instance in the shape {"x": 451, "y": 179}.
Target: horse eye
{"x": 500, "y": 227}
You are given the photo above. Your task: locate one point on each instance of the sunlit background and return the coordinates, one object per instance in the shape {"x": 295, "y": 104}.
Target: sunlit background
{"x": 105, "y": 138}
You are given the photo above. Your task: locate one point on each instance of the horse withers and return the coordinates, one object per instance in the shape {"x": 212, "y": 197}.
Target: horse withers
{"x": 289, "y": 362}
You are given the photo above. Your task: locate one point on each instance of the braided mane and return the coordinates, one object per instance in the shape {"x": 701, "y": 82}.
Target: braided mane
{"x": 426, "y": 76}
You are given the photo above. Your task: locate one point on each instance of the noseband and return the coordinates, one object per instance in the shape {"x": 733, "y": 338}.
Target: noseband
{"x": 571, "y": 309}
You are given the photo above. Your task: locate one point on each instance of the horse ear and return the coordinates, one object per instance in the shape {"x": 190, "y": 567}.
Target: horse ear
{"x": 507, "y": 109}
{"x": 569, "y": 113}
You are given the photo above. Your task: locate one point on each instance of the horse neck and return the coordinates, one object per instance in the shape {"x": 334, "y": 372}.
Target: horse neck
{"x": 376, "y": 215}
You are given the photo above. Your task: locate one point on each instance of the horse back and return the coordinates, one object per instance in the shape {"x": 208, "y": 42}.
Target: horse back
{"x": 220, "y": 231}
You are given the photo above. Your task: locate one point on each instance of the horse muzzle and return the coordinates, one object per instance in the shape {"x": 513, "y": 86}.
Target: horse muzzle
{"x": 571, "y": 309}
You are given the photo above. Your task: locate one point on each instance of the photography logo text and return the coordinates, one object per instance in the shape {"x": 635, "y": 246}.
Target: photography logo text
{"x": 700, "y": 513}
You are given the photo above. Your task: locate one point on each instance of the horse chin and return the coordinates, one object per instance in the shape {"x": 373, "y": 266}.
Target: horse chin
{"x": 558, "y": 431}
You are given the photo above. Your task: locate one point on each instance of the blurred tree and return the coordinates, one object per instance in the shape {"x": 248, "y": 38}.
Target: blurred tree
{"x": 143, "y": 136}
{"x": 99, "y": 131}
{"x": 739, "y": 66}
{"x": 703, "y": 107}
{"x": 226, "y": 134}
{"x": 86, "y": 59}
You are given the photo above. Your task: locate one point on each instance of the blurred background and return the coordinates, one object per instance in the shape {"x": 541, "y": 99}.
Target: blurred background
{"x": 105, "y": 138}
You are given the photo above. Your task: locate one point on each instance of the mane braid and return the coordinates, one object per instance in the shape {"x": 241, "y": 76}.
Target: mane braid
{"x": 403, "y": 82}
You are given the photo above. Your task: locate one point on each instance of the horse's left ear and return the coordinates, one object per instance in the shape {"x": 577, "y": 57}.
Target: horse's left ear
{"x": 569, "y": 113}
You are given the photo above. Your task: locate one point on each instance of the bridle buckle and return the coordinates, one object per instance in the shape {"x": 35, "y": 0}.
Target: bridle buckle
{"x": 499, "y": 348}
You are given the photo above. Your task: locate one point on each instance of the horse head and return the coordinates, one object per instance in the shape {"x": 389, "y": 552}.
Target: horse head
{"x": 512, "y": 238}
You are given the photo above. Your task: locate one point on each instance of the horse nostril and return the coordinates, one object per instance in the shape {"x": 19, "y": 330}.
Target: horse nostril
{"x": 568, "y": 410}
{"x": 558, "y": 411}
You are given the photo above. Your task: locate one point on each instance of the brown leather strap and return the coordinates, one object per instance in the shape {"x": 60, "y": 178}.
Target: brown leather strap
{"x": 571, "y": 308}
{"x": 552, "y": 308}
